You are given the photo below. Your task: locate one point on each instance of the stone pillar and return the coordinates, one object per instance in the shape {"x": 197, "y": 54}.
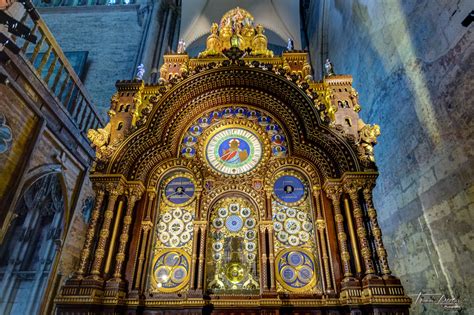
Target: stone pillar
{"x": 352, "y": 188}
{"x": 85, "y": 253}
{"x": 133, "y": 195}
{"x": 372, "y": 213}
{"x": 114, "y": 192}
{"x": 321, "y": 226}
{"x": 334, "y": 193}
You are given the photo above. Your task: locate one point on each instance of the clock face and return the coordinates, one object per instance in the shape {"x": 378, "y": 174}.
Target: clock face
{"x": 179, "y": 190}
{"x": 292, "y": 226}
{"x": 289, "y": 189}
{"x": 234, "y": 151}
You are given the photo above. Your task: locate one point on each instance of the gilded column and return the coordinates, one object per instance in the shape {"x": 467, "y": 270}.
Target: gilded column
{"x": 353, "y": 237}
{"x": 263, "y": 257}
{"x": 114, "y": 192}
{"x": 90, "y": 232}
{"x": 334, "y": 193}
{"x": 268, "y": 203}
{"x": 201, "y": 257}
{"x": 133, "y": 195}
{"x": 271, "y": 256}
{"x": 381, "y": 252}
{"x": 147, "y": 225}
{"x": 321, "y": 226}
{"x": 194, "y": 257}
{"x": 352, "y": 188}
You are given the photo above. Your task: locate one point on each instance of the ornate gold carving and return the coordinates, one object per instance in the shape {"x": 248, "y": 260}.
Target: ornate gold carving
{"x": 381, "y": 252}
{"x": 333, "y": 190}
{"x": 282, "y": 88}
{"x": 352, "y": 185}
{"x": 367, "y": 139}
{"x": 213, "y": 43}
{"x": 90, "y": 232}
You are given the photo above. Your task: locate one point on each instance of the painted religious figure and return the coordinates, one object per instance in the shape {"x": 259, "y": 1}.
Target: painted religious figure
{"x": 234, "y": 151}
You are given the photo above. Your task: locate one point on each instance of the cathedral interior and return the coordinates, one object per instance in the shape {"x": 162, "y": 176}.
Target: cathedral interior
{"x": 236, "y": 157}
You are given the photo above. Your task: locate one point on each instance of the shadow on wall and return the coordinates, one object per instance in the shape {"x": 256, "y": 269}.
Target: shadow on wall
{"x": 410, "y": 65}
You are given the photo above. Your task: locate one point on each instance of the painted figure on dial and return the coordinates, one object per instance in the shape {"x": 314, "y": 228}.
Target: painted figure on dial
{"x": 236, "y": 152}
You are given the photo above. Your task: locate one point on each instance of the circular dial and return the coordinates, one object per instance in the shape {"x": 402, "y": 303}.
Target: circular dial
{"x": 296, "y": 270}
{"x": 234, "y": 151}
{"x": 234, "y": 223}
{"x": 179, "y": 190}
{"x": 289, "y": 189}
{"x": 292, "y": 226}
{"x": 170, "y": 270}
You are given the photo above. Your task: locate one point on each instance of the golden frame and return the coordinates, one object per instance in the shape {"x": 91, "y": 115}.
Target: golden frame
{"x": 168, "y": 180}
{"x": 154, "y": 282}
{"x": 304, "y": 289}
{"x": 240, "y": 124}
{"x": 290, "y": 173}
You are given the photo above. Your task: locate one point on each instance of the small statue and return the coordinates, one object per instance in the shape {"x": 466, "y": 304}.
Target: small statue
{"x": 181, "y": 46}
{"x": 140, "y": 72}
{"x": 290, "y": 46}
{"x": 329, "y": 68}
{"x": 367, "y": 139}
{"x": 99, "y": 137}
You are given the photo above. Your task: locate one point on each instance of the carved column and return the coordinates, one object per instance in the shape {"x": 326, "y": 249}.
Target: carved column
{"x": 114, "y": 192}
{"x": 201, "y": 257}
{"x": 321, "y": 226}
{"x": 268, "y": 203}
{"x": 381, "y": 252}
{"x": 194, "y": 257}
{"x": 352, "y": 188}
{"x": 263, "y": 257}
{"x": 195, "y": 249}
{"x": 271, "y": 256}
{"x": 353, "y": 237}
{"x": 146, "y": 227}
{"x": 334, "y": 193}
{"x": 84, "y": 259}
{"x": 133, "y": 196}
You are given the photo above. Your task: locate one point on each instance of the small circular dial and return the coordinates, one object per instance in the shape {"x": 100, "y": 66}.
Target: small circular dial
{"x": 292, "y": 226}
{"x": 179, "y": 190}
{"x": 234, "y": 223}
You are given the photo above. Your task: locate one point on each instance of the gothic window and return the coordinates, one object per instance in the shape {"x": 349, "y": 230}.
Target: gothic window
{"x": 28, "y": 254}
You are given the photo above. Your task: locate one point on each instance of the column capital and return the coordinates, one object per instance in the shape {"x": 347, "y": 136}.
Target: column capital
{"x": 135, "y": 189}
{"x": 333, "y": 189}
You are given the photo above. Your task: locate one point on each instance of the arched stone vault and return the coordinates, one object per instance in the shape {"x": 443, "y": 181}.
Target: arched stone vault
{"x": 288, "y": 103}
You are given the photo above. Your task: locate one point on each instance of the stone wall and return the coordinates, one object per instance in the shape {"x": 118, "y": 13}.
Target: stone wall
{"x": 111, "y": 35}
{"x": 38, "y": 139}
{"x": 412, "y": 64}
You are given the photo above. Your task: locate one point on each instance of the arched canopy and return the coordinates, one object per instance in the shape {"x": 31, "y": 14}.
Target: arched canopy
{"x": 160, "y": 137}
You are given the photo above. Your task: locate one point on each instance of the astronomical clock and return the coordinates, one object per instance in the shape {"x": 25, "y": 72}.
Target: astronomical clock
{"x": 236, "y": 184}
